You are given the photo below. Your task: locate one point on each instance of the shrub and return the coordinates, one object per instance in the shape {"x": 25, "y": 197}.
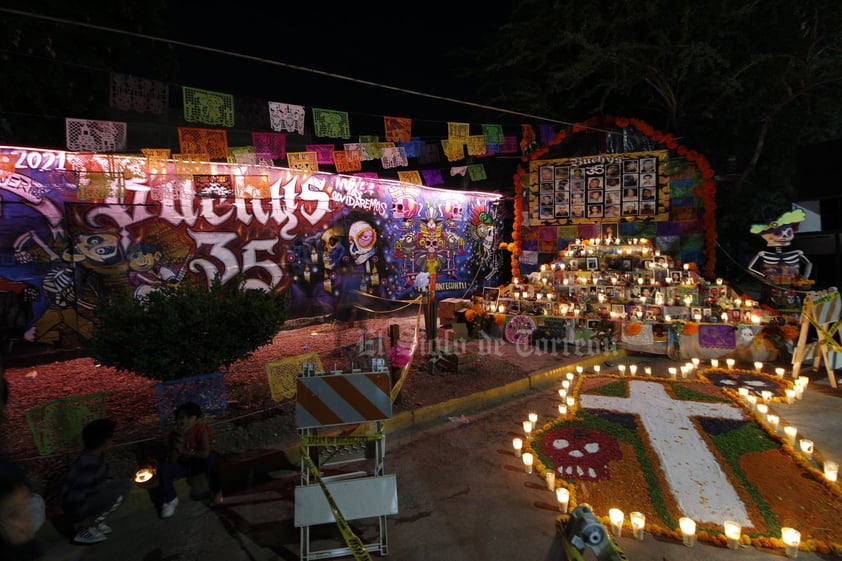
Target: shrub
{"x": 186, "y": 330}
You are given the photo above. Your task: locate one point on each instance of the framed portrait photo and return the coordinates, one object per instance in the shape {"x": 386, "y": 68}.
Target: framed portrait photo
{"x": 592, "y": 264}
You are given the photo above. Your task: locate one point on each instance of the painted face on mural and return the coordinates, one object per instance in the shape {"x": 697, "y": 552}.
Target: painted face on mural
{"x": 143, "y": 258}
{"x": 362, "y": 241}
{"x": 99, "y": 248}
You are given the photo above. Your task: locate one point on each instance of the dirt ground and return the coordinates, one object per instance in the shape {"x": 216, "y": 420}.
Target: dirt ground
{"x": 253, "y": 421}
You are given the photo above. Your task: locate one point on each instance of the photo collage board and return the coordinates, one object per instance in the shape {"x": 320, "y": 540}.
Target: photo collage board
{"x": 610, "y": 186}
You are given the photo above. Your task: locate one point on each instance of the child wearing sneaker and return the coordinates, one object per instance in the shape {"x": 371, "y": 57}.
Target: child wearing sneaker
{"x": 90, "y": 493}
{"x": 190, "y": 452}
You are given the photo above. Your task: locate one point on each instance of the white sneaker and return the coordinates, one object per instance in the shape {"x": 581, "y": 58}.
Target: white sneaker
{"x": 168, "y": 508}
{"x": 89, "y": 535}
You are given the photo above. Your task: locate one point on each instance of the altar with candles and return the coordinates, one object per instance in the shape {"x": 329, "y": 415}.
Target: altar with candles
{"x": 624, "y": 292}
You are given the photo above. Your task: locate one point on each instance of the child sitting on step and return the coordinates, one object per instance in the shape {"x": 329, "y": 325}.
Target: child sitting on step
{"x": 190, "y": 452}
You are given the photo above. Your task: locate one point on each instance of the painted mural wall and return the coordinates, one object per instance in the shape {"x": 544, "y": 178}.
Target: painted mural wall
{"x": 77, "y": 227}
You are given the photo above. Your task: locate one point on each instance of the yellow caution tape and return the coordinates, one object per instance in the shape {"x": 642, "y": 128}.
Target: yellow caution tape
{"x": 354, "y": 543}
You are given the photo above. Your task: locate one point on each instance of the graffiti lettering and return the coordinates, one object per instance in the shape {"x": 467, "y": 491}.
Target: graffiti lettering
{"x": 351, "y": 201}
{"x": 22, "y": 186}
{"x": 313, "y": 191}
{"x": 250, "y": 251}
{"x": 227, "y": 258}
{"x": 208, "y": 212}
{"x": 595, "y": 160}
{"x": 442, "y": 286}
{"x": 228, "y": 263}
{"x": 350, "y": 184}
{"x": 34, "y": 159}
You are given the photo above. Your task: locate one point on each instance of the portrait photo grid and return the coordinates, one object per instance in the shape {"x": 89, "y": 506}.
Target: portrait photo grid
{"x": 623, "y": 187}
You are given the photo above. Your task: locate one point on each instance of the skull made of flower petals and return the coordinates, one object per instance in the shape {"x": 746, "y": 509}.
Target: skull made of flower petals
{"x": 584, "y": 453}
{"x": 362, "y": 241}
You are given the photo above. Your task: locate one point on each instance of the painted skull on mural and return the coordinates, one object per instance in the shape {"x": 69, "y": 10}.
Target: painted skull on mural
{"x": 333, "y": 247}
{"x": 362, "y": 241}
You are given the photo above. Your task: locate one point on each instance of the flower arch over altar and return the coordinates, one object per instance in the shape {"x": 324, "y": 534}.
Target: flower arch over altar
{"x": 685, "y": 226}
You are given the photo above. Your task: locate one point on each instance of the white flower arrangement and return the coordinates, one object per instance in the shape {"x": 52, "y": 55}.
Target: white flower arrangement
{"x": 422, "y": 282}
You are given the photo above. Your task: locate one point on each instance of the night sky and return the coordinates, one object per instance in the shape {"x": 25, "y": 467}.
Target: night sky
{"x": 415, "y": 47}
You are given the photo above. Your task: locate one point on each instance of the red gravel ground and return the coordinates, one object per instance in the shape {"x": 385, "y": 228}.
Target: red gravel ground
{"x": 253, "y": 420}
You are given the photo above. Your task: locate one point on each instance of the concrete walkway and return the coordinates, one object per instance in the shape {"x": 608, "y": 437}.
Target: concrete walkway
{"x": 462, "y": 494}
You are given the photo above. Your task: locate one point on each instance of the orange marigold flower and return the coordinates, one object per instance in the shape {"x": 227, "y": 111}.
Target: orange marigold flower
{"x": 789, "y": 332}
{"x": 469, "y": 315}
{"x": 690, "y": 329}
{"x": 499, "y": 319}
{"x": 633, "y": 328}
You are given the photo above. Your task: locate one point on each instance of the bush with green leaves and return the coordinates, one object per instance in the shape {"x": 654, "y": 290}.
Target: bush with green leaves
{"x": 187, "y": 329}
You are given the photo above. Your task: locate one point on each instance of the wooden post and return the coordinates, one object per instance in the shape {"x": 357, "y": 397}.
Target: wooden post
{"x": 432, "y": 321}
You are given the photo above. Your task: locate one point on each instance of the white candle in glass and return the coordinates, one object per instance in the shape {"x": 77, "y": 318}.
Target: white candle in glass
{"x": 780, "y": 372}
{"x": 562, "y": 393}
{"x": 596, "y": 368}
{"x": 533, "y": 418}
{"x": 673, "y": 371}
{"x": 622, "y": 369}
{"x": 758, "y": 366}
{"x": 638, "y": 521}
{"x": 831, "y": 470}
{"x": 766, "y": 395}
{"x": 791, "y": 432}
{"x": 517, "y": 444}
{"x": 579, "y": 369}
{"x": 562, "y": 495}
{"x": 647, "y": 370}
{"x": 616, "y": 516}
{"x": 569, "y": 376}
{"x": 730, "y": 362}
{"x": 790, "y": 395}
{"x": 527, "y": 427}
{"x": 806, "y": 448}
{"x": 688, "y": 530}
{"x": 570, "y": 401}
{"x": 562, "y": 409}
{"x": 732, "y": 533}
{"x": 792, "y": 540}
{"x": 633, "y": 369}
{"x": 714, "y": 363}
{"x": 773, "y": 421}
{"x": 762, "y": 409}
{"x": 528, "y": 459}
{"x": 550, "y": 475}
